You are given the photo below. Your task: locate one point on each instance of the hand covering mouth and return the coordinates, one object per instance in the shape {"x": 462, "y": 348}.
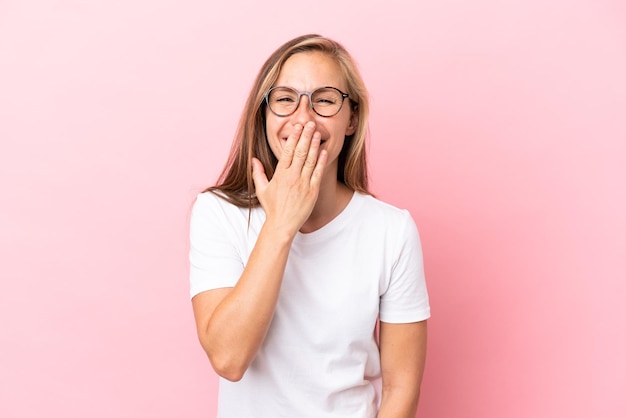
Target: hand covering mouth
{"x": 321, "y": 141}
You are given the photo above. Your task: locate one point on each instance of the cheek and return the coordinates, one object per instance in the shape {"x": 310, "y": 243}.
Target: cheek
{"x": 269, "y": 132}
{"x": 343, "y": 128}
{"x": 271, "y": 135}
{"x": 272, "y": 128}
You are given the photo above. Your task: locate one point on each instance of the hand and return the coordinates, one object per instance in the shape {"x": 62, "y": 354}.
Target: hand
{"x": 288, "y": 199}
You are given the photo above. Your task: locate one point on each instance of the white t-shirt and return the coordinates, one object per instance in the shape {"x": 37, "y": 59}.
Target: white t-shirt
{"x": 319, "y": 358}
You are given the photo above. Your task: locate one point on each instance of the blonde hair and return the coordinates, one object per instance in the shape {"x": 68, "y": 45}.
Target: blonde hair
{"x": 235, "y": 182}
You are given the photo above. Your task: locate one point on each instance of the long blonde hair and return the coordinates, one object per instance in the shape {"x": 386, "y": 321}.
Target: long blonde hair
{"x": 235, "y": 182}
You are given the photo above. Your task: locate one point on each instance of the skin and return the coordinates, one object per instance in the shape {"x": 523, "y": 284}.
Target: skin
{"x": 303, "y": 195}
{"x": 402, "y": 359}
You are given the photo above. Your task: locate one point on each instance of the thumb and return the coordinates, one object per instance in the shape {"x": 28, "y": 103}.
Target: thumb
{"x": 258, "y": 175}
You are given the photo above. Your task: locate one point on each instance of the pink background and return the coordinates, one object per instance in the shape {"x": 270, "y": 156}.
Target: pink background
{"x": 501, "y": 125}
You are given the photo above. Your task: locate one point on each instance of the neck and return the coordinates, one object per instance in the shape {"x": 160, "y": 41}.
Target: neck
{"x": 333, "y": 198}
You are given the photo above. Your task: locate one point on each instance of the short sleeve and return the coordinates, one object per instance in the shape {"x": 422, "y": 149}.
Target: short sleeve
{"x": 406, "y": 298}
{"x": 215, "y": 261}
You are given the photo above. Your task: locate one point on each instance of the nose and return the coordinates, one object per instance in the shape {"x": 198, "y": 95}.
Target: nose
{"x": 304, "y": 112}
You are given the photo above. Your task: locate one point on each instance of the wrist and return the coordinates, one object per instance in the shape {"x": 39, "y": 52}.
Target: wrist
{"x": 278, "y": 232}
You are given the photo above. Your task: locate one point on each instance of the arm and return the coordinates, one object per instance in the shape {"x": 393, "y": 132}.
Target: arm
{"x": 232, "y": 322}
{"x": 402, "y": 357}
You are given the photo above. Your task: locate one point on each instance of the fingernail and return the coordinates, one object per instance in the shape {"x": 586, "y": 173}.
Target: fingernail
{"x": 310, "y": 125}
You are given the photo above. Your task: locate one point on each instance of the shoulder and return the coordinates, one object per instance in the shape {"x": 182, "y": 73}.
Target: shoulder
{"x": 212, "y": 209}
{"x": 393, "y": 227}
{"x": 211, "y": 200}
{"x": 383, "y": 213}
{"x": 214, "y": 203}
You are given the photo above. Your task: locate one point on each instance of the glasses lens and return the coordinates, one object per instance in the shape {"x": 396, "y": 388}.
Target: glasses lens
{"x": 282, "y": 100}
{"x": 326, "y": 101}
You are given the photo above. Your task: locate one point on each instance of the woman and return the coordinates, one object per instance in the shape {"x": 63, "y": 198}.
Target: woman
{"x": 293, "y": 261}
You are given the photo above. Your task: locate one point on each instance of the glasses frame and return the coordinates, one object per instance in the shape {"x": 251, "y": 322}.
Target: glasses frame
{"x": 344, "y": 96}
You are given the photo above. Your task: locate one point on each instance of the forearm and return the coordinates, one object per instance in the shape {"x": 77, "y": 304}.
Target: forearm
{"x": 403, "y": 356}
{"x": 398, "y": 403}
{"x": 236, "y": 328}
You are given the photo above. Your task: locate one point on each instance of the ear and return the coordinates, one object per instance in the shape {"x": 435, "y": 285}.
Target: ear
{"x": 354, "y": 121}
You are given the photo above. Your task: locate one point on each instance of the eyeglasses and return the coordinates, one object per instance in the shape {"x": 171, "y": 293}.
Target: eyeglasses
{"x": 325, "y": 101}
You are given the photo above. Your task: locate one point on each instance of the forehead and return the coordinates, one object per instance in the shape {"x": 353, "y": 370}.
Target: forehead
{"x": 307, "y": 71}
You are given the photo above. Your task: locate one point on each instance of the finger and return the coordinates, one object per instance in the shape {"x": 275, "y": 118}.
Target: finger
{"x": 312, "y": 156}
{"x": 258, "y": 176}
{"x": 289, "y": 147}
{"x": 304, "y": 143}
{"x": 318, "y": 172}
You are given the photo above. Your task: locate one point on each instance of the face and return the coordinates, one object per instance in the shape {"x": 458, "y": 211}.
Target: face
{"x": 307, "y": 71}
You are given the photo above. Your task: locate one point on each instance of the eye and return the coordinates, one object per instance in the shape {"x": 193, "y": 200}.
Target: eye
{"x": 283, "y": 96}
{"x": 324, "y": 100}
{"x": 326, "y": 97}
{"x": 285, "y": 99}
